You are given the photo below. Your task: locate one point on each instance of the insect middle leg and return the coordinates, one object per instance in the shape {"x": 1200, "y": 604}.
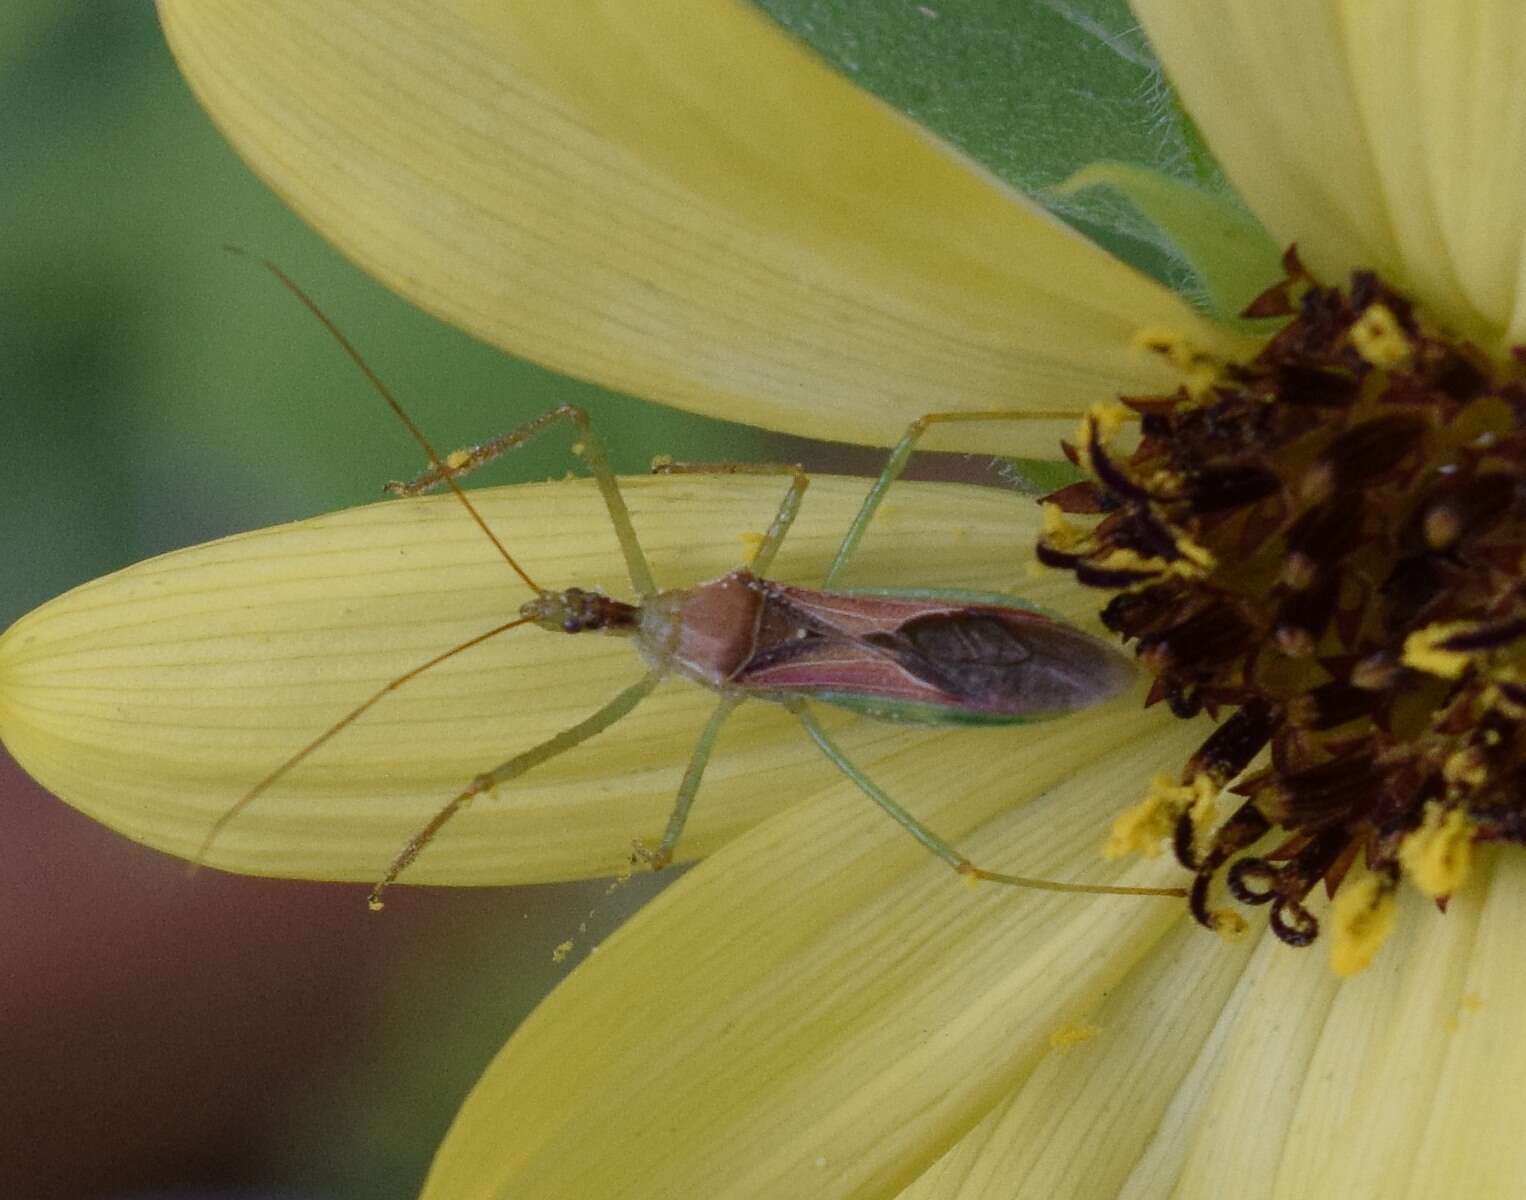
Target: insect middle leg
{"x": 516, "y": 766}
{"x": 896, "y": 464}
{"x": 590, "y": 447}
{"x": 663, "y": 854}
{"x": 789, "y": 507}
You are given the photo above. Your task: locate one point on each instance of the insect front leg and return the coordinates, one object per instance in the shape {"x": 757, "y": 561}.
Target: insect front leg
{"x": 936, "y": 844}
{"x": 590, "y": 447}
{"x": 896, "y": 464}
{"x": 516, "y": 766}
{"x": 789, "y": 507}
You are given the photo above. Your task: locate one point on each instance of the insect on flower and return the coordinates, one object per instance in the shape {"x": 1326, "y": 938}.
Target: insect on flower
{"x": 919, "y": 656}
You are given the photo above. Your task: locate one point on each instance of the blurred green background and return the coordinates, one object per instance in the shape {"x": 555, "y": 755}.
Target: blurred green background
{"x": 171, "y": 1035}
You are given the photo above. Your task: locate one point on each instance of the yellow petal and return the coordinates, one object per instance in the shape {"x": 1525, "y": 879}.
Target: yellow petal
{"x": 1229, "y": 1113}
{"x": 1269, "y": 85}
{"x": 1084, "y": 1121}
{"x": 1471, "y": 1143}
{"x": 1276, "y": 1079}
{"x": 1467, "y": 63}
{"x": 1370, "y": 1102}
{"x": 153, "y": 698}
{"x": 1385, "y": 135}
{"x": 822, "y": 1008}
{"x": 1439, "y": 89}
{"x": 672, "y": 199}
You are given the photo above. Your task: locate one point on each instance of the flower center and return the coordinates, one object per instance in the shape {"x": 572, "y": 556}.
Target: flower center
{"x": 1327, "y": 540}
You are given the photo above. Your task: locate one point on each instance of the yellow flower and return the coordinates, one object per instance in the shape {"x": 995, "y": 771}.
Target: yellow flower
{"x": 629, "y": 193}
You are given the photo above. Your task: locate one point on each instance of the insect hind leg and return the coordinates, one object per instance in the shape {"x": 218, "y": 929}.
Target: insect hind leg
{"x": 516, "y": 766}
{"x": 936, "y": 844}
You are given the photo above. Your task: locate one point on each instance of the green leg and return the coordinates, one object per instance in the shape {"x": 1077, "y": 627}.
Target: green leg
{"x": 589, "y": 446}
{"x": 896, "y": 464}
{"x": 663, "y": 855}
{"x": 516, "y": 766}
{"x": 789, "y": 507}
{"x": 935, "y": 843}
{"x": 344, "y": 722}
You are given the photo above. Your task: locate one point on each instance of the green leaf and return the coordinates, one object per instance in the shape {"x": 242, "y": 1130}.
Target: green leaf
{"x": 1230, "y": 255}
{"x": 1035, "y": 91}
{"x": 1040, "y": 476}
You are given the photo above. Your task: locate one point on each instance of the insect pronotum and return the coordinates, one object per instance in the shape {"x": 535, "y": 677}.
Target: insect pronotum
{"x": 923, "y": 656}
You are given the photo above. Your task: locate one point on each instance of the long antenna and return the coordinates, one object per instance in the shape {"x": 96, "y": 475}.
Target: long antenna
{"x": 344, "y": 722}
{"x": 435, "y": 460}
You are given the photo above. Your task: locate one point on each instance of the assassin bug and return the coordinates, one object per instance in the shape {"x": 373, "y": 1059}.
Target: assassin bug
{"x": 916, "y": 656}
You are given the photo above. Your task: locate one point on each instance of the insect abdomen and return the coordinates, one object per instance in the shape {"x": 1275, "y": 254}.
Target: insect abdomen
{"x": 929, "y": 659}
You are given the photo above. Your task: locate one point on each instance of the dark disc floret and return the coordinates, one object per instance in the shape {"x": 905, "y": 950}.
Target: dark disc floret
{"x": 1323, "y": 548}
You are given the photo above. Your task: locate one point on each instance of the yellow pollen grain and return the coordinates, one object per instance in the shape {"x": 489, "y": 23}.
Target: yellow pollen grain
{"x": 1203, "y": 806}
{"x": 1228, "y": 924}
{"x": 457, "y": 459}
{"x": 1199, "y": 556}
{"x": 1199, "y": 371}
{"x": 1467, "y": 1003}
{"x": 1438, "y": 855}
{"x": 1495, "y": 699}
{"x": 563, "y": 949}
{"x": 1168, "y": 343}
{"x": 1159, "y": 340}
{"x": 1139, "y": 829}
{"x": 661, "y": 462}
{"x": 1363, "y": 917}
{"x": 1060, "y": 532}
{"x": 1124, "y": 559}
{"x": 1466, "y": 770}
{"x": 1377, "y": 337}
{"x": 752, "y": 542}
{"x": 1195, "y": 563}
{"x": 1423, "y": 650}
{"x": 1072, "y": 1034}
{"x": 1098, "y": 427}
{"x": 1142, "y": 828}
{"x": 1166, "y": 482}
{"x": 1200, "y": 379}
